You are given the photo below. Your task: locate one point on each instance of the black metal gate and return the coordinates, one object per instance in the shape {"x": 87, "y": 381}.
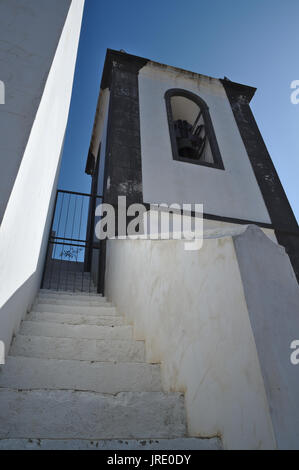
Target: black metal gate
{"x": 73, "y": 252}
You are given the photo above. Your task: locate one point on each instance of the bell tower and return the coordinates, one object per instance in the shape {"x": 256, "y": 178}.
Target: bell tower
{"x": 167, "y": 135}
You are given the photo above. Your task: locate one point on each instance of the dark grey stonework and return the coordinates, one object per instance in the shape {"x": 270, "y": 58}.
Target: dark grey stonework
{"x": 123, "y": 175}
{"x": 90, "y": 163}
{"x": 291, "y": 243}
{"x": 281, "y": 214}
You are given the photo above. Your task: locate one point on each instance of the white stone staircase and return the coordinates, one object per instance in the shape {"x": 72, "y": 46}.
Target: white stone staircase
{"x": 76, "y": 378}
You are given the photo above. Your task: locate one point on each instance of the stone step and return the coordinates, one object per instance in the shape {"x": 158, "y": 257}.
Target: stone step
{"x": 64, "y": 277}
{"x": 71, "y": 280}
{"x": 67, "y": 303}
{"x": 73, "y": 301}
{"x": 41, "y": 328}
{"x": 70, "y": 287}
{"x": 183, "y": 443}
{"x": 65, "y": 414}
{"x": 78, "y": 349}
{"x": 73, "y": 309}
{"x": 28, "y": 373}
{"x": 61, "y": 292}
{"x": 71, "y": 290}
{"x": 74, "y": 289}
{"x": 76, "y": 319}
{"x": 64, "y": 272}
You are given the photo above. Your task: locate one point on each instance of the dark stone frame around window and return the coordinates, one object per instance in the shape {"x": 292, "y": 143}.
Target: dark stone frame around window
{"x": 218, "y": 163}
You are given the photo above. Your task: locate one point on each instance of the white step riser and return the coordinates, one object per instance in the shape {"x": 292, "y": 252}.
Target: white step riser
{"x": 64, "y": 274}
{"x": 59, "y": 330}
{"x": 55, "y": 273}
{"x": 85, "y": 415}
{"x": 73, "y": 302}
{"x": 72, "y": 286}
{"x": 74, "y": 289}
{"x": 80, "y": 291}
{"x": 78, "y": 349}
{"x": 71, "y": 299}
{"x": 51, "y": 293}
{"x": 24, "y": 373}
{"x": 54, "y": 308}
{"x": 70, "y": 280}
{"x": 106, "y": 312}
{"x": 75, "y": 319}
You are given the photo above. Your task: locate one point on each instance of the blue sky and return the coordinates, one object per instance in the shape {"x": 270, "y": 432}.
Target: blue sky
{"x": 254, "y": 42}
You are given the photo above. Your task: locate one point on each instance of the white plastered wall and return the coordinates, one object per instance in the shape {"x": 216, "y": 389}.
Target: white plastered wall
{"x": 29, "y": 35}
{"x": 99, "y": 137}
{"x": 25, "y": 225}
{"x": 190, "y": 309}
{"x": 101, "y": 118}
{"x": 233, "y": 192}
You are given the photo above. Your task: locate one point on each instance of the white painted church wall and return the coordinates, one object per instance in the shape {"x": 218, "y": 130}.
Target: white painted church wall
{"x": 190, "y": 309}
{"x": 100, "y": 134}
{"x": 29, "y": 35}
{"x": 100, "y": 126}
{"x": 233, "y": 192}
{"x": 25, "y": 225}
{"x": 99, "y": 137}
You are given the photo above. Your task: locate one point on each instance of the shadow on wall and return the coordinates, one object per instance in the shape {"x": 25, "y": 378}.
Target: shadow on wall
{"x": 14, "y": 310}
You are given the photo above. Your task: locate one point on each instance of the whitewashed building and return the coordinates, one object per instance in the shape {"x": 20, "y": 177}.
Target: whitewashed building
{"x": 178, "y": 349}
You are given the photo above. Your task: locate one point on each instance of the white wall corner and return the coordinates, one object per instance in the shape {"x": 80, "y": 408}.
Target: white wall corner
{"x": 25, "y": 224}
{"x": 272, "y": 297}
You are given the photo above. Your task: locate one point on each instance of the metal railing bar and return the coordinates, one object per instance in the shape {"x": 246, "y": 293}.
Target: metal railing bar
{"x": 82, "y": 204}
{"x": 71, "y": 244}
{"x": 72, "y": 232}
{"x": 79, "y": 194}
{"x": 65, "y": 229}
{"x": 59, "y": 220}
{"x": 69, "y": 239}
{"x": 82, "y": 274}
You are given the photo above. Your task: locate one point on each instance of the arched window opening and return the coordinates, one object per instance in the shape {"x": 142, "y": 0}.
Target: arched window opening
{"x": 192, "y": 135}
